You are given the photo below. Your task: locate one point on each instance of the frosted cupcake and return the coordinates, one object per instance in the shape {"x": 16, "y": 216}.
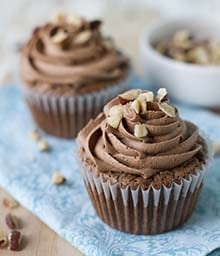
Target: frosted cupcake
{"x": 143, "y": 166}
{"x": 69, "y": 71}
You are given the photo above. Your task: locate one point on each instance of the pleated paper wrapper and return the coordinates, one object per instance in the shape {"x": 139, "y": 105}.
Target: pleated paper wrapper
{"x": 150, "y": 211}
{"x": 64, "y": 116}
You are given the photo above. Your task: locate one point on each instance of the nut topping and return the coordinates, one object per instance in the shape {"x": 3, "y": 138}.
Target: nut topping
{"x": 140, "y": 130}
{"x": 115, "y": 116}
{"x": 161, "y": 94}
{"x": 12, "y": 221}
{"x": 58, "y": 18}
{"x": 136, "y": 106}
{"x": 149, "y": 96}
{"x": 167, "y": 109}
{"x": 59, "y": 37}
{"x": 143, "y": 102}
{"x": 83, "y": 37}
{"x": 130, "y": 95}
{"x": 3, "y": 240}
{"x": 58, "y": 179}
{"x": 74, "y": 20}
{"x": 14, "y": 239}
{"x": 10, "y": 203}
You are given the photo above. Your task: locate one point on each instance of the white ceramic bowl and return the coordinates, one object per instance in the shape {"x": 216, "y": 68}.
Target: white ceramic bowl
{"x": 189, "y": 83}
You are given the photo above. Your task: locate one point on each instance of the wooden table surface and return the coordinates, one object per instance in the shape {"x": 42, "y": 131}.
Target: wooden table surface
{"x": 41, "y": 240}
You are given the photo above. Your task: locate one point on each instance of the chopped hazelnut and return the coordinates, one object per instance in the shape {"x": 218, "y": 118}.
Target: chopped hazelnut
{"x": 130, "y": 95}
{"x": 140, "y": 130}
{"x": 83, "y": 37}
{"x": 58, "y": 179}
{"x": 43, "y": 145}
{"x": 136, "y": 106}
{"x": 59, "y": 37}
{"x": 161, "y": 94}
{"x": 167, "y": 109}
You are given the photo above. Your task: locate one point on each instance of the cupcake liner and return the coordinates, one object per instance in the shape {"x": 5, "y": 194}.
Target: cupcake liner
{"x": 64, "y": 116}
{"x": 142, "y": 211}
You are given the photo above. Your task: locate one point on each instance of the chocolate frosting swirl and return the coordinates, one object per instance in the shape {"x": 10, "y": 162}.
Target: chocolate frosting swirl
{"x": 169, "y": 144}
{"x": 63, "y": 57}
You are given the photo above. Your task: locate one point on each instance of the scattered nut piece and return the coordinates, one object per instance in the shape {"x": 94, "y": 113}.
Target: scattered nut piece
{"x": 34, "y": 135}
{"x": 43, "y": 145}
{"x": 161, "y": 94}
{"x": 136, "y": 106}
{"x": 10, "y": 203}
{"x": 83, "y": 37}
{"x": 167, "y": 109}
{"x": 216, "y": 149}
{"x": 59, "y": 37}
{"x": 130, "y": 95}
{"x": 140, "y": 130}
{"x": 115, "y": 116}
{"x": 58, "y": 178}
{"x": 12, "y": 221}
{"x": 3, "y": 240}
{"x": 14, "y": 240}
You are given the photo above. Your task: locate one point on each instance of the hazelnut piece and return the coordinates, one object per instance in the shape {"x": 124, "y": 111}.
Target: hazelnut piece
{"x": 83, "y": 37}
{"x": 167, "y": 109}
{"x": 130, "y": 95}
{"x": 58, "y": 179}
{"x": 115, "y": 116}
{"x": 140, "y": 130}
{"x": 161, "y": 94}
{"x": 59, "y": 37}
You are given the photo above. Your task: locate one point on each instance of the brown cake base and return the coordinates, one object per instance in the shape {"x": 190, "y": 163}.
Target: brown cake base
{"x": 64, "y": 116}
{"x": 60, "y": 124}
{"x": 144, "y": 210}
{"x": 140, "y": 219}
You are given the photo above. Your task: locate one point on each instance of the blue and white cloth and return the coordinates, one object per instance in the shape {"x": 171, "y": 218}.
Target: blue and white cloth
{"x": 26, "y": 174}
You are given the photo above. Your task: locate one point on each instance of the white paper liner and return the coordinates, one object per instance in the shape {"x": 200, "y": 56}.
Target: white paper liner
{"x": 79, "y": 109}
{"x": 184, "y": 194}
{"x": 194, "y": 181}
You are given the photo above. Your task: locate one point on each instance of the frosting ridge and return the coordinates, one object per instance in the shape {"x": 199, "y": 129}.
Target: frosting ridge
{"x": 72, "y": 54}
{"x": 162, "y": 141}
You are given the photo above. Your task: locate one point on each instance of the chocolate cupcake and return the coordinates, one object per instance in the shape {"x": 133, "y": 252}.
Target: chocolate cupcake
{"x": 70, "y": 70}
{"x": 143, "y": 166}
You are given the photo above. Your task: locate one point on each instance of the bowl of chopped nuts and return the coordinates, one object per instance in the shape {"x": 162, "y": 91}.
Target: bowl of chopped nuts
{"x": 183, "y": 55}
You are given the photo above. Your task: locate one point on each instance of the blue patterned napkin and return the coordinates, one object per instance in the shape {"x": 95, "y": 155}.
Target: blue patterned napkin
{"x": 26, "y": 174}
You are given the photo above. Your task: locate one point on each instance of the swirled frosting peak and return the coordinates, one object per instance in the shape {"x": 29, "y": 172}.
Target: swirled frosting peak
{"x": 139, "y": 134}
{"x": 70, "y": 55}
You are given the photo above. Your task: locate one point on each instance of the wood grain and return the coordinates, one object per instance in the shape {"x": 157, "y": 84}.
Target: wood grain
{"x": 39, "y": 240}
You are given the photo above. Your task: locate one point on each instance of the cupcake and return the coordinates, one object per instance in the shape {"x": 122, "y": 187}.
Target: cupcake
{"x": 143, "y": 166}
{"x": 70, "y": 70}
